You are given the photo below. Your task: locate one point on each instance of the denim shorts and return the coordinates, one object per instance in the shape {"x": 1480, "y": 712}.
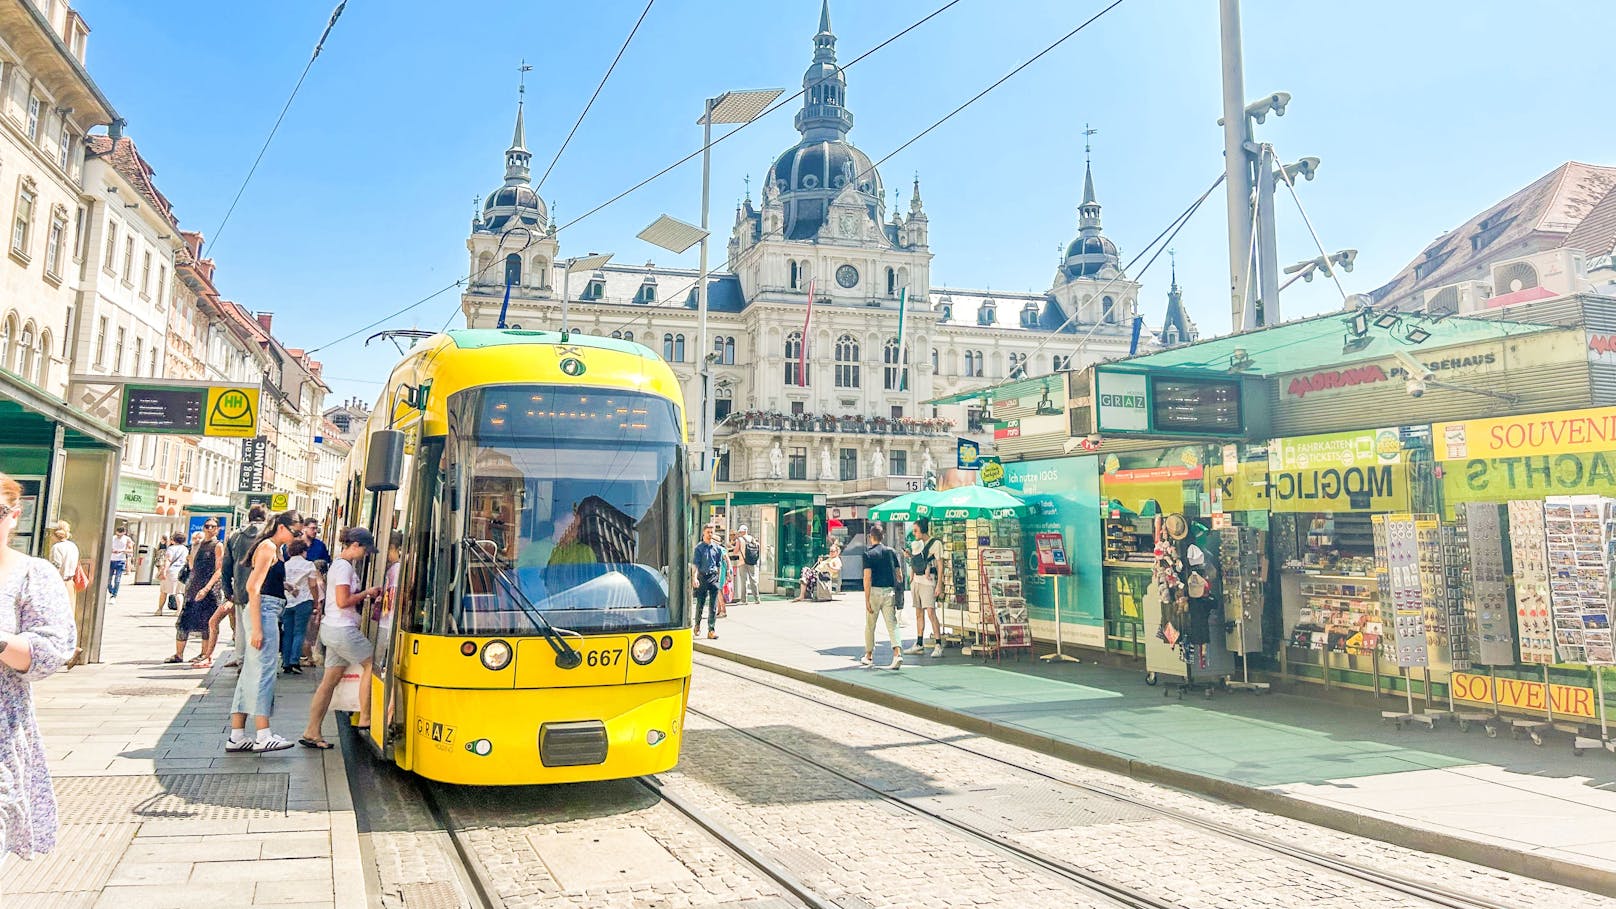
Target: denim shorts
{"x": 345, "y": 645}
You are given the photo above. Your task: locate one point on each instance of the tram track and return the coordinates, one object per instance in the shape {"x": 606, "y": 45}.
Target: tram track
{"x": 1428, "y": 893}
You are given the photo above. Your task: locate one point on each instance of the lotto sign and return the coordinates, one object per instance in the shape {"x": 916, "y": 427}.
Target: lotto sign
{"x": 992, "y": 472}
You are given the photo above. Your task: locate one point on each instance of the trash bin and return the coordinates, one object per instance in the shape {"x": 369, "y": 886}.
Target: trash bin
{"x": 141, "y": 571}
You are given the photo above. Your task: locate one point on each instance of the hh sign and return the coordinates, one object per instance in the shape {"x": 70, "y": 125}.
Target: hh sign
{"x": 1520, "y": 694}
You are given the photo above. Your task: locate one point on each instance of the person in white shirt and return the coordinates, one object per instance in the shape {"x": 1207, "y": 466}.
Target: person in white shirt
{"x": 123, "y": 546}
{"x": 174, "y": 560}
{"x": 302, "y": 589}
{"x": 64, "y": 555}
{"x": 345, "y": 645}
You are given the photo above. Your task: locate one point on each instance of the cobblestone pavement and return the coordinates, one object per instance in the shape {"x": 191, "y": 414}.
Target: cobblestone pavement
{"x": 1159, "y": 855}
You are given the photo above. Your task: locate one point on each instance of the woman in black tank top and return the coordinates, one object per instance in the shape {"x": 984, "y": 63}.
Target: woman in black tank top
{"x": 260, "y": 664}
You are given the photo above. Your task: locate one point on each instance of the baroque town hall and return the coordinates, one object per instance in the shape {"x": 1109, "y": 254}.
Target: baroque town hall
{"x": 850, "y": 422}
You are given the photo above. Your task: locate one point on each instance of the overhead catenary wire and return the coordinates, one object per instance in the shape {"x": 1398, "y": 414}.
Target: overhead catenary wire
{"x": 643, "y": 183}
{"x": 318, "y": 46}
{"x": 602, "y": 84}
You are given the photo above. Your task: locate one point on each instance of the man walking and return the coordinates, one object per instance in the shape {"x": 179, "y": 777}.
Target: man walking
{"x": 924, "y": 566}
{"x": 882, "y": 569}
{"x": 750, "y": 551}
{"x": 123, "y": 546}
{"x": 706, "y": 565}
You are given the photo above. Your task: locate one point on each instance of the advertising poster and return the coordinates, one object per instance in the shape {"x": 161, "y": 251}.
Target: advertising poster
{"x": 1065, "y": 497}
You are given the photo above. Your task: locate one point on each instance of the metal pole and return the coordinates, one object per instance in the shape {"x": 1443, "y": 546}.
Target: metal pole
{"x": 704, "y": 436}
{"x": 1267, "y": 243}
{"x": 1237, "y": 165}
{"x": 566, "y": 280}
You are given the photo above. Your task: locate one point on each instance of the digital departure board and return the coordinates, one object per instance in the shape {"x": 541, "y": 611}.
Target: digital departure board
{"x": 1200, "y": 405}
{"x": 148, "y": 408}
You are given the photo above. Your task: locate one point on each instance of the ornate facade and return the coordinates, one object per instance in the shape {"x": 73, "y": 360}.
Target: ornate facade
{"x": 814, "y": 388}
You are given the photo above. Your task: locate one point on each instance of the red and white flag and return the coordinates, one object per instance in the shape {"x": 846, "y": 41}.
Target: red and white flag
{"x": 802, "y": 349}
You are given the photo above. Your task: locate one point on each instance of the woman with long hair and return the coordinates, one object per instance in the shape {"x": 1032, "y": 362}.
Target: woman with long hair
{"x": 200, "y": 598}
{"x": 266, "y": 600}
{"x": 37, "y": 636}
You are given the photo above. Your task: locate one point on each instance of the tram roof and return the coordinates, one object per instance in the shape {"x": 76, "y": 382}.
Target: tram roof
{"x": 480, "y": 338}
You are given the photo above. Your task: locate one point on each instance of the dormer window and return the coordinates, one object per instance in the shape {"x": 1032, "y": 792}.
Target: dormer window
{"x": 647, "y": 292}
{"x": 987, "y": 313}
{"x": 1029, "y": 315}
{"x": 945, "y": 309}
{"x": 596, "y": 288}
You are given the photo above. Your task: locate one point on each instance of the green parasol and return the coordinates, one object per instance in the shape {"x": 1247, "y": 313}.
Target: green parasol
{"x": 950, "y": 505}
{"x": 906, "y": 507}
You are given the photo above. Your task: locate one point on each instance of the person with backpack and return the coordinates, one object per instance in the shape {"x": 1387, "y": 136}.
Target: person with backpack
{"x": 750, "y": 552}
{"x": 883, "y": 584}
{"x": 234, "y": 569}
{"x": 706, "y": 571}
{"x": 924, "y": 561}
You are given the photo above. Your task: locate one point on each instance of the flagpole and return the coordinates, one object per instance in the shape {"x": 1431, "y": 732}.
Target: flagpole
{"x": 802, "y": 349}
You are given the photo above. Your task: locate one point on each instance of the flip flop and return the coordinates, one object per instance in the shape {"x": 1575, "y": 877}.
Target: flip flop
{"x": 318, "y": 744}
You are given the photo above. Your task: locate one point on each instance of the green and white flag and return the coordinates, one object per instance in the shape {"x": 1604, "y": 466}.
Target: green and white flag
{"x": 903, "y": 351}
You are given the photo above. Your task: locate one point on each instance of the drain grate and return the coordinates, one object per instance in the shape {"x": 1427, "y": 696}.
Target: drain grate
{"x": 1005, "y": 810}
{"x": 197, "y": 796}
{"x": 148, "y": 691}
{"x": 434, "y": 895}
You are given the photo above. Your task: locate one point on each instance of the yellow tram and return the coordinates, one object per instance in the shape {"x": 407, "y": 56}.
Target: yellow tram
{"x": 539, "y": 633}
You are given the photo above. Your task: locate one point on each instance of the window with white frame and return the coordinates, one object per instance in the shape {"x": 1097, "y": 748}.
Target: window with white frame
{"x": 145, "y": 275}
{"x": 892, "y": 378}
{"x": 22, "y": 225}
{"x": 128, "y": 259}
{"x": 112, "y": 248}
{"x": 34, "y": 107}
{"x": 55, "y": 240}
{"x": 79, "y": 234}
{"x": 796, "y": 369}
{"x": 847, "y": 362}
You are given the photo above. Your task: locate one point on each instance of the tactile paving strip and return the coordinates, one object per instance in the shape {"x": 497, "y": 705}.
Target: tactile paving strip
{"x": 193, "y": 796}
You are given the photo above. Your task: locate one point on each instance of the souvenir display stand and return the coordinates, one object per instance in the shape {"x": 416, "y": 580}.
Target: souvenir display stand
{"x": 1405, "y": 547}
{"x": 960, "y": 599}
{"x": 1002, "y": 614}
{"x": 1244, "y": 561}
{"x": 1528, "y": 541}
{"x": 1186, "y": 641}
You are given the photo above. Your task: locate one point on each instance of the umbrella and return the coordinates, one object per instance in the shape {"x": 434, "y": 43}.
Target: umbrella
{"x": 973, "y": 502}
{"x": 906, "y": 507}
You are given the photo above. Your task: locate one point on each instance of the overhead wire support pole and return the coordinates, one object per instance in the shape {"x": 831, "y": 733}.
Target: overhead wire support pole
{"x": 1237, "y": 166}
{"x": 704, "y": 371}
{"x": 1266, "y": 310}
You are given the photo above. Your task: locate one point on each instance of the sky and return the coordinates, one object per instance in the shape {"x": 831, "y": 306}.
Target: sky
{"x": 1422, "y": 114}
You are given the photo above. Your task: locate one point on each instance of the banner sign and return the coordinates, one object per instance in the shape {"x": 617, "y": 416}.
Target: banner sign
{"x": 1372, "y": 489}
{"x": 254, "y": 452}
{"x": 1520, "y": 694}
{"x": 969, "y": 454}
{"x": 1122, "y": 402}
{"x": 1529, "y": 477}
{"x": 1153, "y": 475}
{"x": 1368, "y": 448}
{"x": 1565, "y": 432}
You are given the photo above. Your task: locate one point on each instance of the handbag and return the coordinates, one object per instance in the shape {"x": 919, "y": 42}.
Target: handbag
{"x": 81, "y": 579}
{"x": 346, "y": 695}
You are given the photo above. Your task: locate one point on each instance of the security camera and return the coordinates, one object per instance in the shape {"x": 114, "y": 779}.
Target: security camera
{"x": 1345, "y": 258}
{"x": 1274, "y": 104}
{"x": 1306, "y": 168}
{"x": 1279, "y": 100}
{"x": 1415, "y": 388}
{"x": 1416, "y": 371}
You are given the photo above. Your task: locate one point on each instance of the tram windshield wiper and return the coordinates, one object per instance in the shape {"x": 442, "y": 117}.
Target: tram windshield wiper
{"x": 566, "y": 656}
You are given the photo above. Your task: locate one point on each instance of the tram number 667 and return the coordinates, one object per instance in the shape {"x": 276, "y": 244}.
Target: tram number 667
{"x": 603, "y": 657}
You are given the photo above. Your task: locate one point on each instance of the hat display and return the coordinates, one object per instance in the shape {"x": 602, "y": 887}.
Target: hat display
{"x": 1176, "y": 526}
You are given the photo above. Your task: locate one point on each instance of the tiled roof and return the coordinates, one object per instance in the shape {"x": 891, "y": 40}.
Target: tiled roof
{"x": 1549, "y": 209}
{"x": 126, "y": 160}
{"x": 675, "y": 287}
{"x": 966, "y": 307}
{"x": 1595, "y": 234}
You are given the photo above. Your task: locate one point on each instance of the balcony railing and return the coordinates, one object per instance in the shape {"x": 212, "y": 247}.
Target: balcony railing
{"x": 774, "y": 421}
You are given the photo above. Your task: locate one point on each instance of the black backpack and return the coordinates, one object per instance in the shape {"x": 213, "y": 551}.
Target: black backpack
{"x": 753, "y": 552}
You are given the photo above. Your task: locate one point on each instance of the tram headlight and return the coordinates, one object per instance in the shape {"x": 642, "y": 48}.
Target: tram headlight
{"x": 496, "y": 655}
{"x": 644, "y": 650}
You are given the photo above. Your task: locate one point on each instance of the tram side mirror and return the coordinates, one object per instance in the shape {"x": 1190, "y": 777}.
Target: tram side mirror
{"x": 384, "y": 463}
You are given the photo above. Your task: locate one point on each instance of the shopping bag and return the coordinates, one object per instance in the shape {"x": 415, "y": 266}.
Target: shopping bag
{"x": 346, "y": 697}
{"x": 81, "y": 579}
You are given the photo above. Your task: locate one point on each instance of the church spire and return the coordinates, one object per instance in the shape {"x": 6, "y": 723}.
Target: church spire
{"x": 517, "y": 157}
{"x": 824, "y": 19}
{"x": 1090, "y": 208}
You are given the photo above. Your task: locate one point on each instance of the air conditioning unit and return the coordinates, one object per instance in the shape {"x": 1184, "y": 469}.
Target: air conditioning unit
{"x": 1462, "y": 298}
{"x": 1558, "y": 271}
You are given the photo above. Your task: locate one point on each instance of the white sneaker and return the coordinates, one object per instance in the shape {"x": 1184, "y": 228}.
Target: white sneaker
{"x": 937, "y": 651}
{"x": 239, "y": 745}
{"x": 917, "y": 648}
{"x": 866, "y": 661}
{"x": 271, "y": 742}
{"x": 896, "y": 662}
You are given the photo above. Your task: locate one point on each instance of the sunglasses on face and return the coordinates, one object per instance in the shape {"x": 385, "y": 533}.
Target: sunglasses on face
{"x": 6, "y": 511}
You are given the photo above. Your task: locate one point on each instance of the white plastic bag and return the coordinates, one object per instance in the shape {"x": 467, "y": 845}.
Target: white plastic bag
{"x": 346, "y": 697}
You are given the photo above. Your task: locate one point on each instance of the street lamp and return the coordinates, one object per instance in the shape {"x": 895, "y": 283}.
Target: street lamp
{"x": 735, "y": 107}
{"x": 577, "y": 263}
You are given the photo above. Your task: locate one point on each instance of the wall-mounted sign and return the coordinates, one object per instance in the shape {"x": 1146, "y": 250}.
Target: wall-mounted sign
{"x": 969, "y": 454}
{"x": 1521, "y": 694}
{"x": 1529, "y": 477}
{"x": 1302, "y": 386}
{"x": 1009, "y": 429}
{"x": 1368, "y": 448}
{"x": 137, "y": 496}
{"x": 221, "y": 411}
{"x": 1122, "y": 401}
{"x": 1153, "y": 475}
{"x": 254, "y": 453}
{"x": 1333, "y": 489}
{"x": 992, "y": 472}
{"x": 1568, "y": 432}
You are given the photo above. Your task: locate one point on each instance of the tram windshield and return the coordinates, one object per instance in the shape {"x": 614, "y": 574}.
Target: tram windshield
{"x": 576, "y": 496}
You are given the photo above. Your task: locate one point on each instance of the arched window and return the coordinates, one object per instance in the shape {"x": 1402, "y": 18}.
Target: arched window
{"x": 724, "y": 349}
{"x": 25, "y": 351}
{"x": 847, "y": 362}
{"x": 1108, "y": 309}
{"x": 936, "y": 362}
{"x": 970, "y": 363}
{"x": 981, "y": 364}
{"x": 8, "y": 332}
{"x": 513, "y": 270}
{"x": 647, "y": 291}
{"x": 628, "y": 336}
{"x": 796, "y": 372}
{"x": 794, "y": 274}
{"x": 44, "y": 363}
{"x": 1018, "y": 366}
{"x": 678, "y": 348}
{"x": 485, "y": 264}
{"x": 667, "y": 346}
{"x": 892, "y": 283}
{"x": 1029, "y": 315}
{"x": 891, "y": 379}
{"x": 986, "y": 313}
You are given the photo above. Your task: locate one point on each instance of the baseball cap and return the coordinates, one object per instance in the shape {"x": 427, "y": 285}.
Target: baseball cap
{"x": 358, "y": 535}
{"x": 743, "y": 528}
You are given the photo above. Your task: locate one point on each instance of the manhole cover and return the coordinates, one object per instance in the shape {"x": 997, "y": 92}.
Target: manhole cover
{"x": 610, "y": 858}
{"x": 203, "y": 796}
{"x": 147, "y": 691}
{"x": 434, "y": 895}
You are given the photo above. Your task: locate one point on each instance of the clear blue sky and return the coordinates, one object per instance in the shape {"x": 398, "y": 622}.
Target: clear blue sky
{"x": 1423, "y": 114}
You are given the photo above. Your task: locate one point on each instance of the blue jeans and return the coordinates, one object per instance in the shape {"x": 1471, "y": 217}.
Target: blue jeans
{"x": 255, "y": 687}
{"x": 115, "y": 577}
{"x": 294, "y": 625}
{"x": 710, "y": 596}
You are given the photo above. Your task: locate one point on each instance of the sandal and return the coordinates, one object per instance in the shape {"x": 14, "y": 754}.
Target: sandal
{"x": 202, "y": 663}
{"x": 174, "y": 659}
{"x": 318, "y": 744}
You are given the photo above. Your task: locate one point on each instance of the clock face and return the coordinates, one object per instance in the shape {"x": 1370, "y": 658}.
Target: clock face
{"x": 847, "y": 276}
